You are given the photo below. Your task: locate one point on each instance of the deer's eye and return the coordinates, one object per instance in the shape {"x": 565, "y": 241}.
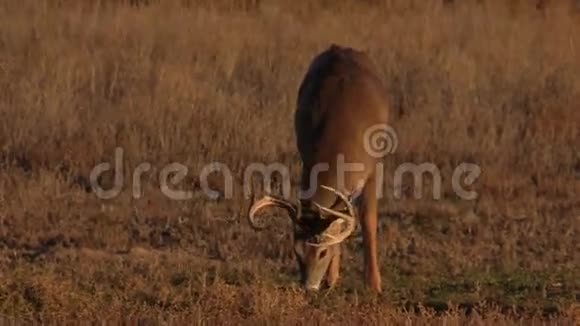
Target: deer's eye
{"x": 322, "y": 253}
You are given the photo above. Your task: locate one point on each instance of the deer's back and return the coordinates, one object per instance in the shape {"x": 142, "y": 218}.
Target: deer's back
{"x": 340, "y": 97}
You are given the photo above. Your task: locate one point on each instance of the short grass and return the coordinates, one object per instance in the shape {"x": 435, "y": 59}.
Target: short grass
{"x": 196, "y": 82}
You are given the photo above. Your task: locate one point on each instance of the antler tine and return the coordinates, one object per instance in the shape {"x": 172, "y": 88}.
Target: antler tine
{"x": 271, "y": 201}
{"x": 334, "y": 213}
{"x": 350, "y": 219}
{"x": 333, "y": 239}
{"x": 343, "y": 197}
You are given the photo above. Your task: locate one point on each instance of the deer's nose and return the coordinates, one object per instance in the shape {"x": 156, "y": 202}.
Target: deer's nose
{"x": 311, "y": 287}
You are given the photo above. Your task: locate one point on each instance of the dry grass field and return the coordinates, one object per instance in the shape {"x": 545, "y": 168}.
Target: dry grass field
{"x": 493, "y": 83}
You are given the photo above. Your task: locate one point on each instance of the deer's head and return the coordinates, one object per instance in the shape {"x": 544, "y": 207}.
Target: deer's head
{"x": 318, "y": 231}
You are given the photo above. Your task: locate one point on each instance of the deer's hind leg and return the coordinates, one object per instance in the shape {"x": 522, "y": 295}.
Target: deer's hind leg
{"x": 369, "y": 224}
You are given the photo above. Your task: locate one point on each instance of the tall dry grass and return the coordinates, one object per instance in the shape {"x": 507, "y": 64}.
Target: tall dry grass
{"x": 195, "y": 82}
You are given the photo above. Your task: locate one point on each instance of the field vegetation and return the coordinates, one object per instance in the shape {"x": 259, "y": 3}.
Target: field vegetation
{"x": 493, "y": 83}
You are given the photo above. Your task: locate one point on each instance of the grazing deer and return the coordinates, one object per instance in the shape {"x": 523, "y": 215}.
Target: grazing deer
{"x": 340, "y": 98}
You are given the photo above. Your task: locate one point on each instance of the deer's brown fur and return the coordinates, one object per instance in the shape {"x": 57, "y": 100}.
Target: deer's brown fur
{"x": 339, "y": 99}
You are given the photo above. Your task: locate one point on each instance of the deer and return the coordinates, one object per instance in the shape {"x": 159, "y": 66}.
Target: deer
{"x": 340, "y": 97}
